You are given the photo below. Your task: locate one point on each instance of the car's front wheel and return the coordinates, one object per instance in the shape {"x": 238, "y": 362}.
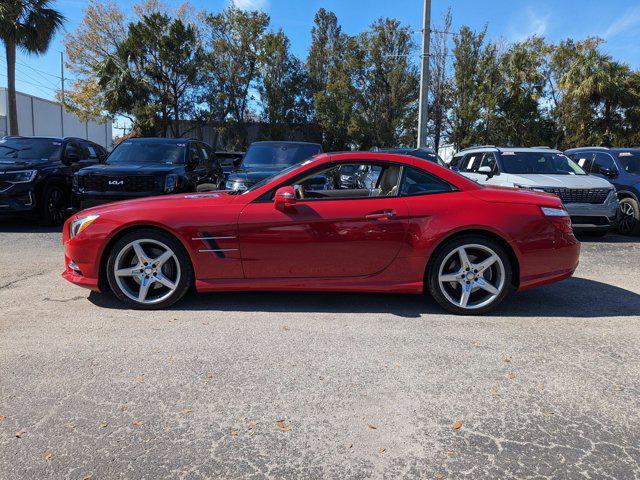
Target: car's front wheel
{"x": 629, "y": 219}
{"x": 470, "y": 275}
{"x": 149, "y": 269}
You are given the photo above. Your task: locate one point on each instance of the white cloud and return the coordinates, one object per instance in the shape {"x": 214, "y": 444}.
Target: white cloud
{"x": 533, "y": 22}
{"x": 250, "y": 4}
{"x": 628, "y": 19}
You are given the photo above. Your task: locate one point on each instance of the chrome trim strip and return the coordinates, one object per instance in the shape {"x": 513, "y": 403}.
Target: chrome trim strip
{"x": 220, "y": 250}
{"x": 213, "y": 238}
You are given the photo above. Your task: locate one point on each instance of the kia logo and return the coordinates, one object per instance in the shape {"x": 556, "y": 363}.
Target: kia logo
{"x": 116, "y": 182}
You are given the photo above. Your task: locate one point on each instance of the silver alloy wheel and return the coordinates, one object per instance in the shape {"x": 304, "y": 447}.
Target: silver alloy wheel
{"x": 471, "y": 271}
{"x": 147, "y": 271}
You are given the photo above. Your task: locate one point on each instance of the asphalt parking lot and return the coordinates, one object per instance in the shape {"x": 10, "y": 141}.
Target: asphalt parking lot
{"x": 282, "y": 385}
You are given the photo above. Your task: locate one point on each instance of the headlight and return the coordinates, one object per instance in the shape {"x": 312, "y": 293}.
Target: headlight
{"x": 554, "y": 212}
{"x": 235, "y": 185}
{"x": 22, "y": 176}
{"x": 529, "y": 187}
{"x": 79, "y": 224}
{"x": 170, "y": 183}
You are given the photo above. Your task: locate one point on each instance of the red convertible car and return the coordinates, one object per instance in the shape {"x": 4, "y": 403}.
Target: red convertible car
{"x": 408, "y": 226}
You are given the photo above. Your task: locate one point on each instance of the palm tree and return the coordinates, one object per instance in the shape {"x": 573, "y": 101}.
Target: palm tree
{"x": 29, "y": 25}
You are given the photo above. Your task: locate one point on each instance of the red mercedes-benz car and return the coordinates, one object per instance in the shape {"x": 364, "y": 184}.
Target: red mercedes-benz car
{"x": 409, "y": 226}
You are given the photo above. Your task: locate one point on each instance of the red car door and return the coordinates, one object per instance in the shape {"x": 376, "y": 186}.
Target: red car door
{"x": 322, "y": 238}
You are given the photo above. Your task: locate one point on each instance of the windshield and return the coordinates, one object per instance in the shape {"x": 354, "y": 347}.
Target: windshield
{"x": 277, "y": 156}
{"x": 539, "y": 163}
{"x": 30, "y": 149}
{"x": 129, "y": 152}
{"x": 630, "y": 161}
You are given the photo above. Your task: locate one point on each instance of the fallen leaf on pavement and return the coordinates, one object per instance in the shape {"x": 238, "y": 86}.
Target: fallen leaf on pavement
{"x": 285, "y": 328}
{"x": 511, "y": 376}
{"x": 457, "y": 425}
{"x": 20, "y": 433}
{"x": 252, "y": 424}
{"x": 140, "y": 378}
{"x": 494, "y": 392}
{"x": 451, "y": 453}
{"x": 48, "y": 456}
{"x": 136, "y": 423}
{"x": 104, "y": 425}
{"x": 507, "y": 359}
{"x": 234, "y": 433}
{"x": 382, "y": 450}
{"x": 282, "y": 427}
{"x": 548, "y": 414}
{"x": 371, "y": 426}
{"x": 440, "y": 475}
{"x": 2, "y": 418}
{"x": 187, "y": 410}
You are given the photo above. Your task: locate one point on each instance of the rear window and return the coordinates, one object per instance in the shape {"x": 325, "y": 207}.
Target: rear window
{"x": 630, "y": 161}
{"x": 278, "y": 156}
{"x": 140, "y": 152}
{"x": 539, "y": 163}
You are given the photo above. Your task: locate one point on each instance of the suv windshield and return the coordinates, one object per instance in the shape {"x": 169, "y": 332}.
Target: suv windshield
{"x": 136, "y": 152}
{"x": 548, "y": 163}
{"x": 630, "y": 161}
{"x": 30, "y": 149}
{"x": 277, "y": 156}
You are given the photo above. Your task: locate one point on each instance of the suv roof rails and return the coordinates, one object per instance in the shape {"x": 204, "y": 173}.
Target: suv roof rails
{"x": 543, "y": 146}
{"x": 590, "y": 148}
{"x": 478, "y": 146}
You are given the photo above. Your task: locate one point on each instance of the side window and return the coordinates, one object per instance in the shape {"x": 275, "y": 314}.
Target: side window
{"x": 350, "y": 180}
{"x": 455, "y": 162}
{"x": 74, "y": 147}
{"x": 602, "y": 161}
{"x": 471, "y": 163}
{"x": 419, "y": 182}
{"x": 583, "y": 160}
{"x": 91, "y": 152}
{"x": 489, "y": 160}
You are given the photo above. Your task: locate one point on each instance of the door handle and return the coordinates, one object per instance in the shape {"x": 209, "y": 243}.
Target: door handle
{"x": 377, "y": 216}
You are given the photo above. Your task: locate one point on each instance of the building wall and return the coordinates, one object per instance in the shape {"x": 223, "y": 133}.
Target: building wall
{"x": 40, "y": 117}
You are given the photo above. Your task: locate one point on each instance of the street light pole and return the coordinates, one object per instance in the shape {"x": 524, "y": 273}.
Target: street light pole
{"x": 423, "y": 107}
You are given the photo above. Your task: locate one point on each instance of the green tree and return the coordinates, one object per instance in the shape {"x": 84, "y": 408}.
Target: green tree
{"x": 467, "y": 98}
{"x": 28, "y": 25}
{"x": 232, "y": 40}
{"x": 281, "y": 85}
{"x": 386, "y": 87}
{"x": 153, "y": 74}
{"x": 329, "y": 87}
{"x": 439, "y": 85}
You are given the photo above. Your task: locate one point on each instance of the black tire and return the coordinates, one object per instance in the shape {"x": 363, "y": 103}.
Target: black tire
{"x": 53, "y": 205}
{"x": 184, "y": 269}
{"x": 629, "y": 217}
{"x": 444, "y": 253}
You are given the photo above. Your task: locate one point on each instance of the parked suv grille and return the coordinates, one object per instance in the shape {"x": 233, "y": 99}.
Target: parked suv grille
{"x": 134, "y": 183}
{"x": 579, "y": 195}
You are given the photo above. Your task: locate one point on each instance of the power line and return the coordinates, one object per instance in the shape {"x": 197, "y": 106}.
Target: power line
{"x": 52, "y": 86}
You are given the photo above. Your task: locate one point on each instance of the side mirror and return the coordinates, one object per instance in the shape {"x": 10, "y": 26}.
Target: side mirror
{"x": 284, "y": 197}
{"x": 486, "y": 170}
{"x": 608, "y": 172}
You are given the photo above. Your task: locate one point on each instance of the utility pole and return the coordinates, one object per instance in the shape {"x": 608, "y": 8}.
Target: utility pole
{"x": 423, "y": 107}
{"x": 62, "y": 92}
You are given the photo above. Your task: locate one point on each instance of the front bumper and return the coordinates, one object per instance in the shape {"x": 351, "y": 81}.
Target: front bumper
{"x": 18, "y": 198}
{"x": 594, "y": 217}
{"x": 82, "y": 256}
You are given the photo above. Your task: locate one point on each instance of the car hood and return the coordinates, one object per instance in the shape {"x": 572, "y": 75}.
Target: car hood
{"x": 131, "y": 169}
{"x": 251, "y": 176}
{"x": 181, "y": 200}
{"x": 560, "y": 181}
{"x": 10, "y": 165}
{"x": 516, "y": 195}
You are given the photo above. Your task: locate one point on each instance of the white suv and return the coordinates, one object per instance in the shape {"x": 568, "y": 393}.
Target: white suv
{"x": 591, "y": 201}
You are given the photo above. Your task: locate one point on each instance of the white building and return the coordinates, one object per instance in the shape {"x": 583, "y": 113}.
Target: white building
{"x": 40, "y": 117}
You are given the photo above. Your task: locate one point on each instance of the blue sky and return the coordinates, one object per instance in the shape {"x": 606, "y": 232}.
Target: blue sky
{"x": 618, "y": 21}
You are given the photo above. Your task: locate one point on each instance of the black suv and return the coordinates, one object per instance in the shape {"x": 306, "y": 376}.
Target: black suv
{"x": 264, "y": 159}
{"x": 142, "y": 167}
{"x": 36, "y": 174}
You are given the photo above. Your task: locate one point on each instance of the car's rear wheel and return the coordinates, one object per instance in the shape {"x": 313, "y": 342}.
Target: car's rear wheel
{"x": 470, "y": 275}
{"x": 629, "y": 219}
{"x": 149, "y": 269}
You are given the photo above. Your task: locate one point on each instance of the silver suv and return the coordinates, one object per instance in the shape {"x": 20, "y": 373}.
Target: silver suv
{"x": 591, "y": 201}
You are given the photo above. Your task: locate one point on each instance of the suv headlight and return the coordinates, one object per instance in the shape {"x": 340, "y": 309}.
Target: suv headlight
{"x": 21, "y": 176}
{"x": 554, "y": 212}
{"x": 528, "y": 187}
{"x": 170, "y": 183}
{"x": 80, "y": 223}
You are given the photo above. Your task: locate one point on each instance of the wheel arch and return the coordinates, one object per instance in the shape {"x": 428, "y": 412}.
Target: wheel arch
{"x": 103, "y": 284}
{"x": 513, "y": 257}
{"x": 627, "y": 194}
